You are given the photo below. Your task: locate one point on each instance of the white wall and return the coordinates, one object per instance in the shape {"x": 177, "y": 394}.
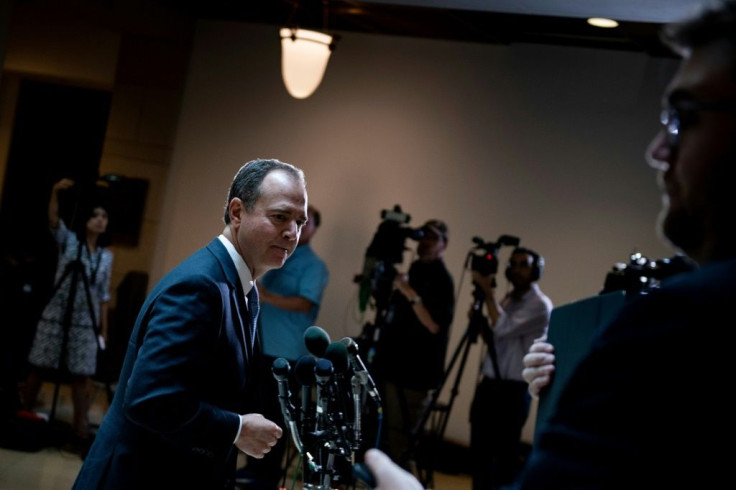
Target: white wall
{"x": 545, "y": 143}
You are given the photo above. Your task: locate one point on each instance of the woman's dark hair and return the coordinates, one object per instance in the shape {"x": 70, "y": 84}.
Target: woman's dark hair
{"x": 84, "y": 209}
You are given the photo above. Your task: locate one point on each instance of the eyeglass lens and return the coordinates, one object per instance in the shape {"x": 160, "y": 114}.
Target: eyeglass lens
{"x": 670, "y": 120}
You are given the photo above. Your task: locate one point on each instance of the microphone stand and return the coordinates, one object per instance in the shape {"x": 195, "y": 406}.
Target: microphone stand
{"x": 476, "y": 323}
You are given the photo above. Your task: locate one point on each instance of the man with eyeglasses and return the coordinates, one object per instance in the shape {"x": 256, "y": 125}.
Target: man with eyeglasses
{"x": 647, "y": 407}
{"x": 648, "y": 415}
{"x": 501, "y": 403}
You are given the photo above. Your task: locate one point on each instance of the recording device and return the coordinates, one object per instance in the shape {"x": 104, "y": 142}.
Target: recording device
{"x": 280, "y": 370}
{"x": 323, "y": 372}
{"x": 486, "y": 263}
{"x": 642, "y": 274}
{"x": 388, "y": 241}
{"x": 386, "y": 249}
{"x": 304, "y": 375}
{"x": 360, "y": 370}
{"x": 328, "y": 432}
{"x": 316, "y": 340}
{"x": 337, "y": 354}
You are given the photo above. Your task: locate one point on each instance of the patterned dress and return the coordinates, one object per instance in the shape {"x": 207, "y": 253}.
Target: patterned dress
{"x": 81, "y": 346}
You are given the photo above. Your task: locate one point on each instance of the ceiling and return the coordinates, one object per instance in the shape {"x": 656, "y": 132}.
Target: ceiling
{"x": 559, "y": 22}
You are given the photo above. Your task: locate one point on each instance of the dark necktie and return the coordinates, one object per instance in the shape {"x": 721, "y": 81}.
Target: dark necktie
{"x": 253, "y": 308}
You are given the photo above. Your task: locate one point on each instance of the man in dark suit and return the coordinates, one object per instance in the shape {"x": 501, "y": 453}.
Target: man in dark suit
{"x": 186, "y": 400}
{"x": 644, "y": 408}
{"x": 647, "y": 406}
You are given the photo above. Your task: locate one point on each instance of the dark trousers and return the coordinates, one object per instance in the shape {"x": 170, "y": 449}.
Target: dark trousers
{"x": 497, "y": 416}
{"x": 404, "y": 407}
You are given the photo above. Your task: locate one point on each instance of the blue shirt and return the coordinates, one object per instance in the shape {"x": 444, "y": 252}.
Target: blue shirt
{"x": 282, "y": 332}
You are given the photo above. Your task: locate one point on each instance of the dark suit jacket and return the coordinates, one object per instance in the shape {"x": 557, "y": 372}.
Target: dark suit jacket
{"x": 187, "y": 375}
{"x": 647, "y": 407}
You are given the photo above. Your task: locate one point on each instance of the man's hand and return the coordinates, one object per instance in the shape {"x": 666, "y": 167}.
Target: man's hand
{"x": 485, "y": 282}
{"x": 388, "y": 474}
{"x": 258, "y": 435}
{"x": 401, "y": 282}
{"x": 539, "y": 365}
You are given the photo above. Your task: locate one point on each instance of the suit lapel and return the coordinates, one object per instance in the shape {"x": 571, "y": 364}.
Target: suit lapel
{"x": 237, "y": 297}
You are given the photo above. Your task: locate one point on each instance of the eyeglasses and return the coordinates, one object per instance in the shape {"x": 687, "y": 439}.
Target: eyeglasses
{"x": 681, "y": 114}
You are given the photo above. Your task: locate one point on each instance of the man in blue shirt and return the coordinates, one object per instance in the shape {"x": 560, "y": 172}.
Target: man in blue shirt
{"x": 290, "y": 301}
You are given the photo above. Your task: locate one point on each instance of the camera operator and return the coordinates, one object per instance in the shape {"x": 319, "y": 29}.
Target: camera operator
{"x": 421, "y": 309}
{"x": 501, "y": 403}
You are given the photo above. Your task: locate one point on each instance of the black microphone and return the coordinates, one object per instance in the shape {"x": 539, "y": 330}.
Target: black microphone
{"x": 323, "y": 371}
{"x": 280, "y": 369}
{"x": 304, "y": 374}
{"x": 359, "y": 368}
{"x": 337, "y": 354}
{"x": 316, "y": 340}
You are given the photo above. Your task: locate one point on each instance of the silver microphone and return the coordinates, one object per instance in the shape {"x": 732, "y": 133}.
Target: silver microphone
{"x": 360, "y": 370}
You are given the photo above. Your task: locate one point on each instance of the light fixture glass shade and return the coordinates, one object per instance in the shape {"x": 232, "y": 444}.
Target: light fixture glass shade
{"x": 602, "y": 22}
{"x": 304, "y": 56}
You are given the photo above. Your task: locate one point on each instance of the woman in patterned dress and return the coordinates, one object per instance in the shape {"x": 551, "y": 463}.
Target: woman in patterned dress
{"x": 87, "y": 320}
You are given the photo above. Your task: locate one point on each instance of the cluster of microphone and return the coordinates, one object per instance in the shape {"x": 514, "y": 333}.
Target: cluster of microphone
{"x": 327, "y": 428}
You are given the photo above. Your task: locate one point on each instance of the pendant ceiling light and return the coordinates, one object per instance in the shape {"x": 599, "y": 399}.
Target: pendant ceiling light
{"x": 304, "y": 57}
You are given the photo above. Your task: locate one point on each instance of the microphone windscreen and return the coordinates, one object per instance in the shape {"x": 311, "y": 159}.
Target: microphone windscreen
{"x": 337, "y": 353}
{"x": 316, "y": 340}
{"x": 280, "y": 367}
{"x": 304, "y": 370}
{"x": 323, "y": 368}
{"x": 350, "y": 344}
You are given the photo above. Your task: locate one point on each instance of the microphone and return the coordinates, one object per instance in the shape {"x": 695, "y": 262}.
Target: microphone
{"x": 357, "y": 408}
{"x": 359, "y": 368}
{"x": 323, "y": 371}
{"x": 316, "y": 340}
{"x": 337, "y": 354}
{"x": 280, "y": 369}
{"x": 304, "y": 374}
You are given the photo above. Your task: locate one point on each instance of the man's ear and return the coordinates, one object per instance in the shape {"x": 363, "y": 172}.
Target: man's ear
{"x": 236, "y": 210}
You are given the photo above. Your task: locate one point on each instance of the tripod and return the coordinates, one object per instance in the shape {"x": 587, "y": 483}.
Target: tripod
{"x": 73, "y": 270}
{"x": 476, "y": 324}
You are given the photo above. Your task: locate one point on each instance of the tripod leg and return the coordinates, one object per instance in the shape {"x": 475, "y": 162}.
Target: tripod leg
{"x": 81, "y": 402}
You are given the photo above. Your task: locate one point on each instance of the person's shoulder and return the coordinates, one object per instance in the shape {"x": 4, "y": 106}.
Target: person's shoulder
{"x": 199, "y": 264}
{"x": 681, "y": 305}
{"x": 312, "y": 256}
{"x": 712, "y": 277}
{"x": 195, "y": 273}
{"x": 544, "y": 299}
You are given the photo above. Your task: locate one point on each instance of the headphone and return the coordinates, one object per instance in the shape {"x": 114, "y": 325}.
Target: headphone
{"x": 537, "y": 263}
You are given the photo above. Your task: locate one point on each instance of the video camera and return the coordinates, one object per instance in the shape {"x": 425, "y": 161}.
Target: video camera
{"x": 386, "y": 248}
{"x": 388, "y": 242}
{"x": 487, "y": 263}
{"x": 642, "y": 274}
